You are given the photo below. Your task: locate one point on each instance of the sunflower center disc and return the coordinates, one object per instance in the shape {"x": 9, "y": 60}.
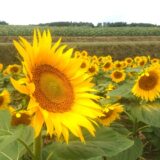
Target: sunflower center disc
{"x": 148, "y": 82}
{"x": 107, "y": 65}
{"x": 1, "y": 100}
{"x": 53, "y": 90}
{"x": 117, "y": 75}
{"x": 14, "y": 69}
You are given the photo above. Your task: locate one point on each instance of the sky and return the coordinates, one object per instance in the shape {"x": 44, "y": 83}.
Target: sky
{"x": 21, "y": 12}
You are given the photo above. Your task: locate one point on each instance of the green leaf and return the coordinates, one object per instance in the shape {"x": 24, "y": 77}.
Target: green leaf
{"x": 5, "y": 119}
{"x": 96, "y": 158}
{"x": 148, "y": 113}
{"x": 131, "y": 153}
{"x": 11, "y": 152}
{"x": 10, "y": 146}
{"x": 107, "y": 142}
{"x": 122, "y": 90}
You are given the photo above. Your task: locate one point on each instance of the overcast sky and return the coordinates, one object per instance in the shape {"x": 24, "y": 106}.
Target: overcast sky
{"x": 44, "y": 11}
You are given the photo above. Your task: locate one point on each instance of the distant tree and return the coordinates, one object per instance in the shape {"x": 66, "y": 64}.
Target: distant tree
{"x": 99, "y": 25}
{"x": 3, "y": 23}
{"x": 115, "y": 24}
{"x": 62, "y": 24}
{"x": 142, "y": 25}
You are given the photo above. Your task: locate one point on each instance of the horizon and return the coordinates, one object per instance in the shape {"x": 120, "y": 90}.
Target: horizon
{"x": 83, "y": 22}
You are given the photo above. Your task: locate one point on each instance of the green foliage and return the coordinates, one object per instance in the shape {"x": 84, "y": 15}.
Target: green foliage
{"x": 12, "y": 139}
{"x": 148, "y": 113}
{"x": 3, "y": 23}
{"x": 131, "y": 153}
{"x": 106, "y": 143}
{"x": 123, "y": 90}
{"x": 89, "y": 30}
{"x": 71, "y": 24}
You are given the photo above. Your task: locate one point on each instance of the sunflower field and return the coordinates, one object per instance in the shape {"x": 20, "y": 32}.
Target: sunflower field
{"x": 60, "y": 104}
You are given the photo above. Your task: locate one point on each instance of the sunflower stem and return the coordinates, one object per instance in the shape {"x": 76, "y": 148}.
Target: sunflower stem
{"x": 38, "y": 147}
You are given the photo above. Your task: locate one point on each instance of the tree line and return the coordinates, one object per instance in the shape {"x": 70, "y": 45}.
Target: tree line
{"x": 88, "y": 24}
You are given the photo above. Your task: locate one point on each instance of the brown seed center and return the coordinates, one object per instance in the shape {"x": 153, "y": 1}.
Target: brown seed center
{"x": 14, "y": 69}
{"x": 1, "y": 100}
{"x": 83, "y": 65}
{"x": 107, "y": 65}
{"x": 92, "y": 69}
{"x": 148, "y": 82}
{"x": 117, "y": 75}
{"x": 53, "y": 90}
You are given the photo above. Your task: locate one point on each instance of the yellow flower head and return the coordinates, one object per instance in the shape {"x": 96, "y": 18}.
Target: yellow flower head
{"x": 129, "y": 61}
{"x": 118, "y": 65}
{"x": 59, "y": 90}
{"x": 84, "y": 64}
{"x": 4, "y": 99}
{"x": 94, "y": 58}
{"x": 110, "y": 87}
{"x": 93, "y": 69}
{"x": 14, "y": 69}
{"x": 77, "y": 54}
{"x": 84, "y": 53}
{"x": 147, "y": 86}
{"x": 101, "y": 59}
{"x": 118, "y": 76}
{"x": 137, "y": 59}
{"x": 111, "y": 113}
{"x": 155, "y": 60}
{"x": 107, "y": 66}
{"x": 1, "y": 67}
{"x": 142, "y": 62}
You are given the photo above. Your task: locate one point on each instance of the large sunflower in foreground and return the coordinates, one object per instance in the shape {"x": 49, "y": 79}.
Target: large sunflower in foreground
{"x": 59, "y": 90}
{"x": 147, "y": 86}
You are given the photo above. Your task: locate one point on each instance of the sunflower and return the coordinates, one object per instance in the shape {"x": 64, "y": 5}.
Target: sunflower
{"x": 111, "y": 113}
{"x": 129, "y": 61}
{"x": 155, "y": 60}
{"x": 4, "y": 99}
{"x": 118, "y": 76}
{"x": 137, "y": 59}
{"x": 93, "y": 69}
{"x": 108, "y": 58}
{"x": 143, "y": 61}
{"x": 14, "y": 69}
{"x": 77, "y": 54}
{"x": 147, "y": 86}
{"x": 59, "y": 90}
{"x": 84, "y": 64}
{"x": 101, "y": 59}
{"x": 110, "y": 87}
{"x": 84, "y": 53}
{"x": 107, "y": 66}
{"x": 1, "y": 67}
{"x": 118, "y": 65}
{"x": 95, "y": 58}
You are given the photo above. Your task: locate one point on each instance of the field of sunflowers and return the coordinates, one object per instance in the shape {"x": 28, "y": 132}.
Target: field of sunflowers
{"x": 60, "y": 104}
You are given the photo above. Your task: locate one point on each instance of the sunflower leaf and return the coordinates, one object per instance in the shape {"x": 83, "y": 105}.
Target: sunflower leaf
{"x": 10, "y": 147}
{"x": 106, "y": 143}
{"x": 123, "y": 90}
{"x": 131, "y": 153}
{"x": 148, "y": 113}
